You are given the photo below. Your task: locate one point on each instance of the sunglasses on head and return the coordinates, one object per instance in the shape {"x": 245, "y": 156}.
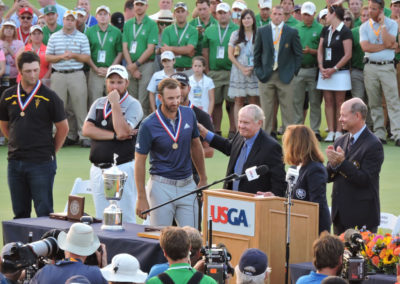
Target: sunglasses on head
{"x": 26, "y": 18}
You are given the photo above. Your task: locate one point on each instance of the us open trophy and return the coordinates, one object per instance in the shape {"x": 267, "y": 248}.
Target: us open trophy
{"x": 114, "y": 181}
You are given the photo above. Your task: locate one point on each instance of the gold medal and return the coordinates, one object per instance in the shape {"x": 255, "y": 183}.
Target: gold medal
{"x": 175, "y": 146}
{"x": 22, "y": 113}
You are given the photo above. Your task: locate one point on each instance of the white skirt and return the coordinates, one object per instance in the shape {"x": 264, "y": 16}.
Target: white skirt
{"x": 339, "y": 81}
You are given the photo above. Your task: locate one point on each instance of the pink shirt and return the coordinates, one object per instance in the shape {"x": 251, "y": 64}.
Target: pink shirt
{"x": 2, "y": 57}
{"x": 10, "y": 60}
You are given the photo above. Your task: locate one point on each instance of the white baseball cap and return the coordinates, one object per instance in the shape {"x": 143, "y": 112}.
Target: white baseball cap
{"x": 167, "y": 55}
{"x": 223, "y": 7}
{"x": 308, "y": 8}
{"x": 239, "y": 5}
{"x": 265, "y": 4}
{"x": 323, "y": 13}
{"x": 103, "y": 7}
{"x": 117, "y": 69}
{"x": 10, "y": 23}
{"x": 34, "y": 28}
{"x": 72, "y": 13}
{"x": 80, "y": 10}
{"x": 124, "y": 268}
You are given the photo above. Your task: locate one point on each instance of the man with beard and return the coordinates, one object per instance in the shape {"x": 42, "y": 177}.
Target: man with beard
{"x": 171, "y": 136}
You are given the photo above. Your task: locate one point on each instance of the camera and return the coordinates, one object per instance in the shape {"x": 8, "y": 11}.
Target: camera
{"x": 217, "y": 263}
{"x": 28, "y": 256}
{"x": 354, "y": 265}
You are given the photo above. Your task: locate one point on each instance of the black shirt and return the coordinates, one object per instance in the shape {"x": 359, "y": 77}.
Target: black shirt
{"x": 30, "y": 136}
{"x": 335, "y": 45}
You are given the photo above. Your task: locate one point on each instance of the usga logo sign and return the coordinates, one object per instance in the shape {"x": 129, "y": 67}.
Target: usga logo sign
{"x": 233, "y": 216}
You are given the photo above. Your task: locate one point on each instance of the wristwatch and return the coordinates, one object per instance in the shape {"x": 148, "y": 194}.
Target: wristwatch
{"x": 336, "y": 69}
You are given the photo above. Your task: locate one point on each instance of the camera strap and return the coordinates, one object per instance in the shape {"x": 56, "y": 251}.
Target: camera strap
{"x": 195, "y": 279}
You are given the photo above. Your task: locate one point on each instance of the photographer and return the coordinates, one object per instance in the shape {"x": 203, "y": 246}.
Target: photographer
{"x": 9, "y": 277}
{"x": 252, "y": 268}
{"x": 175, "y": 244}
{"x": 328, "y": 257}
{"x": 79, "y": 243}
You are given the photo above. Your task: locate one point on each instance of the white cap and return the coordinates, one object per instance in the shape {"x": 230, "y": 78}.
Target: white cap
{"x": 308, "y": 8}
{"x": 80, "y": 10}
{"x": 9, "y": 23}
{"x": 323, "y": 13}
{"x": 167, "y": 55}
{"x": 70, "y": 12}
{"x": 223, "y": 7}
{"x": 124, "y": 268}
{"x": 34, "y": 28}
{"x": 103, "y": 7}
{"x": 239, "y": 5}
{"x": 117, "y": 69}
{"x": 265, "y": 4}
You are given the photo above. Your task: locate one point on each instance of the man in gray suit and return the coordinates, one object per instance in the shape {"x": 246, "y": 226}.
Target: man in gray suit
{"x": 277, "y": 58}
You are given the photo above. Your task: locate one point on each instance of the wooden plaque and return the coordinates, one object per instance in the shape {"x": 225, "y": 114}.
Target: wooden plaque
{"x": 76, "y": 207}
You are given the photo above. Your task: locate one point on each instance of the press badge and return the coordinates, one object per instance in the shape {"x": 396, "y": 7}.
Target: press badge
{"x": 133, "y": 47}
{"x": 220, "y": 52}
{"x": 328, "y": 54}
{"x": 250, "y": 61}
{"x": 101, "y": 56}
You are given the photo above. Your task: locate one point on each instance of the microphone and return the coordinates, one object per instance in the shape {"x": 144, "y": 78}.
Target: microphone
{"x": 292, "y": 175}
{"x": 252, "y": 173}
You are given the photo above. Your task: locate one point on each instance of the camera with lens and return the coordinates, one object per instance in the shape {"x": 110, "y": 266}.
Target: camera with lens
{"x": 217, "y": 263}
{"x": 28, "y": 256}
{"x": 354, "y": 264}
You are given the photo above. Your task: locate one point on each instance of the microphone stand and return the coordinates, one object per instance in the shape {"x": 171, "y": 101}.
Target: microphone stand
{"x": 288, "y": 204}
{"x": 199, "y": 193}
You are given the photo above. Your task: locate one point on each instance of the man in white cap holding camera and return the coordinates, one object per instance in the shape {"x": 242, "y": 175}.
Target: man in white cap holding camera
{"x": 111, "y": 124}
{"x": 79, "y": 243}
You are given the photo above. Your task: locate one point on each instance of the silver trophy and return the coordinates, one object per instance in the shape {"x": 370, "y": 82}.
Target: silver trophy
{"x": 114, "y": 181}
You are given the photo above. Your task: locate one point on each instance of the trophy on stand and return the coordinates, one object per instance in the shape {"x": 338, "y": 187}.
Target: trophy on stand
{"x": 114, "y": 181}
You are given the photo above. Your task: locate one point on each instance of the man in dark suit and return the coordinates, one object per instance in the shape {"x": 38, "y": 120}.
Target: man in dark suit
{"x": 354, "y": 164}
{"x": 277, "y": 58}
{"x": 251, "y": 146}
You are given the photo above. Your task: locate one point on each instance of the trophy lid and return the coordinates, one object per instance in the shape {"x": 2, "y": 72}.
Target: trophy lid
{"x": 114, "y": 170}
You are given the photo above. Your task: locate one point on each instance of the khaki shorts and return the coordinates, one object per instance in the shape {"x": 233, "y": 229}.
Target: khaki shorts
{"x": 221, "y": 80}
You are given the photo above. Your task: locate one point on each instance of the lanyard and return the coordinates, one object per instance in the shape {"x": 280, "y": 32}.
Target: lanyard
{"x": 22, "y": 105}
{"x": 183, "y": 33}
{"x": 330, "y": 36}
{"x": 376, "y": 32}
{"x": 106, "y": 113}
{"x": 135, "y": 34}
{"x": 221, "y": 40}
{"x": 22, "y": 38}
{"x": 173, "y": 137}
{"x": 104, "y": 39}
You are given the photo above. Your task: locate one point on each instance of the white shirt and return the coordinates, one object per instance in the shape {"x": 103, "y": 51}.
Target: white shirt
{"x": 198, "y": 94}
{"x": 154, "y": 81}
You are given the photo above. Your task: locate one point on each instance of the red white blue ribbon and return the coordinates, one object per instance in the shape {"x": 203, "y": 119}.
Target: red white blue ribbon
{"x": 176, "y": 136}
{"x": 106, "y": 113}
{"x": 22, "y": 105}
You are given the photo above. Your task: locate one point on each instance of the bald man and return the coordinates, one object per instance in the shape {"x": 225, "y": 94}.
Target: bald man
{"x": 354, "y": 164}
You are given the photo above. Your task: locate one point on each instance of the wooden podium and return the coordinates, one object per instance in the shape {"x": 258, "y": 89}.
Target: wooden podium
{"x": 242, "y": 220}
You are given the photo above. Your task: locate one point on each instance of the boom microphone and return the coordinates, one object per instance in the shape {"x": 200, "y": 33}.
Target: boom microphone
{"x": 252, "y": 173}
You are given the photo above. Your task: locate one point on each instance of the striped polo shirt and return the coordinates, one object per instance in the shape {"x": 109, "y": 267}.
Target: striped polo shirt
{"x": 60, "y": 42}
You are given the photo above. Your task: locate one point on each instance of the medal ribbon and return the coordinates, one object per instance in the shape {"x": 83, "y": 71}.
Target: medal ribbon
{"x": 106, "y": 113}
{"x": 190, "y": 104}
{"x": 22, "y": 105}
{"x": 22, "y": 38}
{"x": 376, "y": 32}
{"x": 183, "y": 33}
{"x": 173, "y": 137}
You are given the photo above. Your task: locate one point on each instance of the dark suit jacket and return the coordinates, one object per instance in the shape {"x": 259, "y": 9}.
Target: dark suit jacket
{"x": 311, "y": 186}
{"x": 355, "y": 195}
{"x": 265, "y": 151}
{"x": 290, "y": 54}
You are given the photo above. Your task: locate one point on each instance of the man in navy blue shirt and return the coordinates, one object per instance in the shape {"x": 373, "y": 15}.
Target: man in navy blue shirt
{"x": 171, "y": 136}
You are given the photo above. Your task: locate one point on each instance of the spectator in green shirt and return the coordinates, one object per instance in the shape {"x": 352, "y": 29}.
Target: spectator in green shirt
{"x": 50, "y": 16}
{"x": 215, "y": 51}
{"x": 140, "y": 37}
{"x": 288, "y": 7}
{"x": 202, "y": 21}
{"x": 309, "y": 33}
{"x": 262, "y": 18}
{"x": 105, "y": 43}
{"x": 180, "y": 38}
{"x": 355, "y": 8}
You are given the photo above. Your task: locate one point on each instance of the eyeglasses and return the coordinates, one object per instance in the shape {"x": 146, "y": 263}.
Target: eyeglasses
{"x": 348, "y": 19}
{"x": 26, "y": 18}
{"x": 163, "y": 24}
